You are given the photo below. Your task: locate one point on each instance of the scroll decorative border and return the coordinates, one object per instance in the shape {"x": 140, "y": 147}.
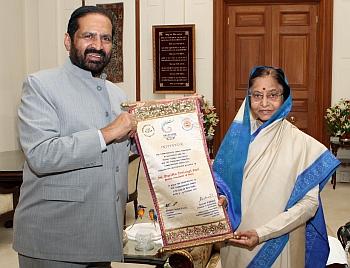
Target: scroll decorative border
{"x": 156, "y": 109}
{"x": 196, "y": 232}
{"x": 190, "y": 235}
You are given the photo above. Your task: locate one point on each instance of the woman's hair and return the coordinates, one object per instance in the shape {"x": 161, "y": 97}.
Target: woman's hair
{"x": 276, "y": 73}
{"x": 83, "y": 11}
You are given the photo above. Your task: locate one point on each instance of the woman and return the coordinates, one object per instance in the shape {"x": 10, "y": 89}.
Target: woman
{"x": 269, "y": 174}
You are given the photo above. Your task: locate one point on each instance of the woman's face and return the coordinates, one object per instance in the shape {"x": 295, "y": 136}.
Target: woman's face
{"x": 266, "y": 97}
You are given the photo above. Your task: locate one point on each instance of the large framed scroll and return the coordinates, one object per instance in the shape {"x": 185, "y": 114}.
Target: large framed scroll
{"x": 171, "y": 142}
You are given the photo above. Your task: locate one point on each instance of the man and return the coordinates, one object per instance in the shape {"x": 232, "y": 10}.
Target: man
{"x": 76, "y": 142}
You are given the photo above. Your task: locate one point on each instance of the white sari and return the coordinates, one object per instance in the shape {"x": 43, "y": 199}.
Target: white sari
{"x": 278, "y": 191}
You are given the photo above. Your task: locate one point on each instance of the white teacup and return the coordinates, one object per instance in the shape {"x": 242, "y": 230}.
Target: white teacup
{"x": 144, "y": 241}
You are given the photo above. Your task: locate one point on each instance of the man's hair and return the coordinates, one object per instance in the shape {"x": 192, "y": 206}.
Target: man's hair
{"x": 73, "y": 24}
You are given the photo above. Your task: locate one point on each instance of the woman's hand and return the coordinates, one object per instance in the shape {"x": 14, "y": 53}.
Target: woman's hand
{"x": 222, "y": 201}
{"x": 200, "y": 98}
{"x": 248, "y": 239}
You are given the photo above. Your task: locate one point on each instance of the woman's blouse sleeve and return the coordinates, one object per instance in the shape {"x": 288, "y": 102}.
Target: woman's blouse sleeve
{"x": 287, "y": 221}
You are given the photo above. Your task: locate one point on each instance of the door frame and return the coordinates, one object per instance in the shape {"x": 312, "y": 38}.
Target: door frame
{"x": 323, "y": 68}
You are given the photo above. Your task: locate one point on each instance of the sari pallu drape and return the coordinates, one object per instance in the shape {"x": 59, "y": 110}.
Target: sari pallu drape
{"x": 231, "y": 158}
{"x": 316, "y": 247}
{"x": 228, "y": 170}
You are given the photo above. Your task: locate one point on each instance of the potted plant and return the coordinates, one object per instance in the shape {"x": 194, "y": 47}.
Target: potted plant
{"x": 210, "y": 119}
{"x": 338, "y": 120}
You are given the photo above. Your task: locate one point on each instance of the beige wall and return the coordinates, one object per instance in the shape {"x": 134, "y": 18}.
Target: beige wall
{"x": 162, "y": 12}
{"x": 47, "y": 23}
{"x": 341, "y": 56}
{"x": 156, "y": 12}
{"x": 12, "y": 70}
{"x": 33, "y": 40}
{"x": 341, "y": 50}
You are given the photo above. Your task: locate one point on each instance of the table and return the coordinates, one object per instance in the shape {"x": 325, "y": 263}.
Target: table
{"x": 11, "y": 166}
{"x": 153, "y": 257}
{"x": 335, "y": 146}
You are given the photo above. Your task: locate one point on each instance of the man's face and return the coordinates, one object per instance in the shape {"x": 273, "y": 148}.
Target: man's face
{"x": 92, "y": 45}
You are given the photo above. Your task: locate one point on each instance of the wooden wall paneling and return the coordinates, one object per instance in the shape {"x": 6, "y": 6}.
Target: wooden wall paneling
{"x": 323, "y": 66}
{"x": 295, "y": 51}
{"x": 219, "y": 18}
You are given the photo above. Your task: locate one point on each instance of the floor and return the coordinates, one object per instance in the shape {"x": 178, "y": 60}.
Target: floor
{"x": 335, "y": 203}
{"x": 336, "y": 206}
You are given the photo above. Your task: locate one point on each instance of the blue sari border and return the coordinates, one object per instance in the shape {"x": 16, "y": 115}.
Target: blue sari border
{"x": 316, "y": 242}
{"x": 229, "y": 163}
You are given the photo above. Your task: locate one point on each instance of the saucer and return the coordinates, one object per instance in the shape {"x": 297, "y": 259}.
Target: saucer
{"x": 147, "y": 247}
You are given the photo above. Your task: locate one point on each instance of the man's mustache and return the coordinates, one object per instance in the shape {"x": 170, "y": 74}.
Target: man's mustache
{"x": 93, "y": 50}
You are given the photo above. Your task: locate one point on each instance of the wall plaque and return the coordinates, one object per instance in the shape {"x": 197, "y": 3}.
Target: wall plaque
{"x": 174, "y": 59}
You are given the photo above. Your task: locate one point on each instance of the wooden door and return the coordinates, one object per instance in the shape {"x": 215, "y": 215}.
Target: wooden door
{"x": 274, "y": 35}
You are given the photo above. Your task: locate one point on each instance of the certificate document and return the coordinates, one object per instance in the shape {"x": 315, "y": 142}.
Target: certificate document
{"x": 171, "y": 142}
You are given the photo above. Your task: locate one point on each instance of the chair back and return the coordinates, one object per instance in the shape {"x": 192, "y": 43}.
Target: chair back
{"x": 133, "y": 179}
{"x": 343, "y": 234}
{"x": 133, "y": 176}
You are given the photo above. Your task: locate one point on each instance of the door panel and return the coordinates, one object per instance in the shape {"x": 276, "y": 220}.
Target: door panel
{"x": 249, "y": 44}
{"x": 278, "y": 35}
{"x": 294, "y": 49}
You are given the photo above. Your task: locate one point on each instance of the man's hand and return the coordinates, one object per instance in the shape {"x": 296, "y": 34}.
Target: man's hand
{"x": 124, "y": 126}
{"x": 247, "y": 239}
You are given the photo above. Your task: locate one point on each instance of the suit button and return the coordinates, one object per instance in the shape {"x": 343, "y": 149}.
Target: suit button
{"x": 107, "y": 114}
{"x": 99, "y": 88}
{"x": 117, "y": 198}
{"x": 117, "y": 169}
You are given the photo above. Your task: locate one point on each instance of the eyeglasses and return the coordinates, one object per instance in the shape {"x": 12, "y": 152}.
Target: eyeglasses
{"x": 271, "y": 96}
{"x": 105, "y": 38}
